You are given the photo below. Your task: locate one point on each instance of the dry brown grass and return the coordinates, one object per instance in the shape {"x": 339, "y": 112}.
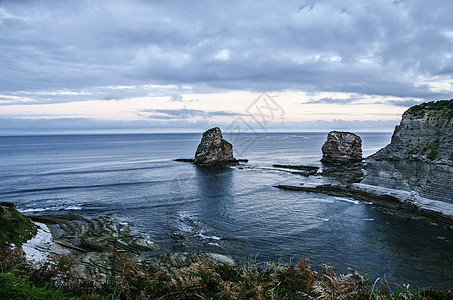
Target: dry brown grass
{"x": 207, "y": 280}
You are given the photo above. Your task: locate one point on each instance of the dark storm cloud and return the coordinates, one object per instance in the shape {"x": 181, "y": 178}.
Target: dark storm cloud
{"x": 376, "y": 48}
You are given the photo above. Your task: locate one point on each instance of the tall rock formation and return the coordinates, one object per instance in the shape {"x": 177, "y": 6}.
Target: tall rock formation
{"x": 343, "y": 147}
{"x": 420, "y": 155}
{"x": 213, "y": 150}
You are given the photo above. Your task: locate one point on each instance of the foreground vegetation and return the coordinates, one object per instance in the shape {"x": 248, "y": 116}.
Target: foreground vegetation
{"x": 55, "y": 280}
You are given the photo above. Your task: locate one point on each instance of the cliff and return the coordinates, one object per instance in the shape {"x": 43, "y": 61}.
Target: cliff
{"x": 420, "y": 155}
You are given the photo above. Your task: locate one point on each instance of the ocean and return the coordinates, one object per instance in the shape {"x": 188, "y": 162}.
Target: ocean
{"x": 236, "y": 211}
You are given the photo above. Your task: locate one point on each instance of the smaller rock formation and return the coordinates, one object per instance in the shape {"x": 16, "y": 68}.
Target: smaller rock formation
{"x": 342, "y": 147}
{"x": 213, "y": 150}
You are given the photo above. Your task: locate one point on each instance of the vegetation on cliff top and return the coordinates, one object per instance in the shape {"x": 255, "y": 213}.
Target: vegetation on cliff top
{"x": 443, "y": 107}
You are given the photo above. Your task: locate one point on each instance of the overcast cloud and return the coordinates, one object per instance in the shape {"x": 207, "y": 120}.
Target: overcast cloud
{"x": 63, "y": 51}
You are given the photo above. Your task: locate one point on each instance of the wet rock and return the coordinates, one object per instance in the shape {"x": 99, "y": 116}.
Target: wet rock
{"x": 177, "y": 236}
{"x": 342, "y": 147}
{"x": 173, "y": 262}
{"x": 91, "y": 242}
{"x": 404, "y": 203}
{"x": 345, "y": 173}
{"x": 213, "y": 150}
{"x": 302, "y": 170}
{"x": 190, "y": 160}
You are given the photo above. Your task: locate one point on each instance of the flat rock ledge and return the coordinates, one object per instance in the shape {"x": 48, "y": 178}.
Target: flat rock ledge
{"x": 300, "y": 169}
{"x": 403, "y": 202}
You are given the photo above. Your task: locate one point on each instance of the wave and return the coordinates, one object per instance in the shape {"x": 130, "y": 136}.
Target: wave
{"x": 87, "y": 172}
{"x": 76, "y": 187}
{"x": 54, "y": 208}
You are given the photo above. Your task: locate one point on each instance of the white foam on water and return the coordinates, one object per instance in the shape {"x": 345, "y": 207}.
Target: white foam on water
{"x": 347, "y": 200}
{"x": 37, "y": 249}
{"x": 51, "y": 208}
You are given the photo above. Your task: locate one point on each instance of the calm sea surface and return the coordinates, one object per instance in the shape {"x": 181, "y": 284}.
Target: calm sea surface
{"x": 236, "y": 211}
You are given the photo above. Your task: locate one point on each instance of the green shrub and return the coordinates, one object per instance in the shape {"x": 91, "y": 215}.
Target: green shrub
{"x": 433, "y": 149}
{"x": 14, "y": 227}
{"x": 444, "y": 107}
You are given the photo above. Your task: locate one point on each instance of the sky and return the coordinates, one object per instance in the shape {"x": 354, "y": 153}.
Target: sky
{"x": 101, "y": 66}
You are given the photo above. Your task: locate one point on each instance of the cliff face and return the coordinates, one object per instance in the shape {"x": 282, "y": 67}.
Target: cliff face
{"x": 420, "y": 155}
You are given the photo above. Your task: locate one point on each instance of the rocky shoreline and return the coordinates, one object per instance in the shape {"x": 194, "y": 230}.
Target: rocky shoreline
{"x": 95, "y": 243}
{"x": 404, "y": 203}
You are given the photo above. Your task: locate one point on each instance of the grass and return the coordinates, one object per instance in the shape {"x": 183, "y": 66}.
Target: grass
{"x": 13, "y": 287}
{"x": 451, "y": 156}
{"x": 433, "y": 149}
{"x": 443, "y": 107}
{"x": 202, "y": 280}
{"x": 15, "y": 228}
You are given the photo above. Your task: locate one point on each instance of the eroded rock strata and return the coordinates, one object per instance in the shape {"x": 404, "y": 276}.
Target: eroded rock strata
{"x": 342, "y": 147}
{"x": 413, "y": 175}
{"x": 420, "y": 155}
{"x": 213, "y": 150}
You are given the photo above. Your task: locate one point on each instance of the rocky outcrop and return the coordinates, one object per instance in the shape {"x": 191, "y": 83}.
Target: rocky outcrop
{"x": 342, "y": 147}
{"x": 173, "y": 262}
{"x": 91, "y": 241}
{"x": 15, "y": 228}
{"x": 100, "y": 245}
{"x": 213, "y": 150}
{"x": 420, "y": 155}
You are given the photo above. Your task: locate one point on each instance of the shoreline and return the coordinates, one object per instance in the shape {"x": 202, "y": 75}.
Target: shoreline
{"x": 400, "y": 201}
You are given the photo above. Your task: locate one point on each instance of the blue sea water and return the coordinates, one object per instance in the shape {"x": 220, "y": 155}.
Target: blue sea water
{"x": 235, "y": 211}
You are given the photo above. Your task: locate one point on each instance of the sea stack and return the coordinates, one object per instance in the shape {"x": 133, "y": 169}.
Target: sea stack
{"x": 342, "y": 147}
{"x": 420, "y": 155}
{"x": 213, "y": 150}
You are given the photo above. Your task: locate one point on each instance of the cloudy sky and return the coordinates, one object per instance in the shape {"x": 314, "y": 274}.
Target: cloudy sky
{"x": 171, "y": 66}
